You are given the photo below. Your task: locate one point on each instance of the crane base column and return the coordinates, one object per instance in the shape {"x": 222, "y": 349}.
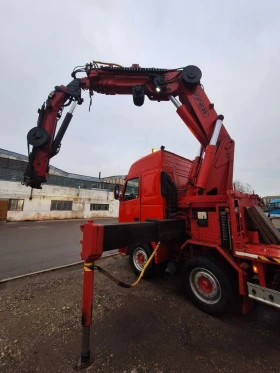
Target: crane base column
{"x": 86, "y": 358}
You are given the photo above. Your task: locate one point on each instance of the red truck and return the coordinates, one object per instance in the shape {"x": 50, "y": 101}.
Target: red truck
{"x": 214, "y": 264}
{"x": 183, "y": 213}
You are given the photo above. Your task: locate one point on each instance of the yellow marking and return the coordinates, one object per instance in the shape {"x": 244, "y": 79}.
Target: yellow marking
{"x": 277, "y": 260}
{"x": 263, "y": 258}
{"x": 87, "y": 269}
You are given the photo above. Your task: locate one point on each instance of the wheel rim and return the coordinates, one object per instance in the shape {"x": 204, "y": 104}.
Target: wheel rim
{"x": 205, "y": 286}
{"x": 140, "y": 258}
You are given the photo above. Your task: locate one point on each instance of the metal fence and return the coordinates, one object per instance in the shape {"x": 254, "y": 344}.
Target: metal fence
{"x": 12, "y": 170}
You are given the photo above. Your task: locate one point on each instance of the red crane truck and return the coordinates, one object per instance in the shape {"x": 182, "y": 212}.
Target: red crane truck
{"x": 181, "y": 212}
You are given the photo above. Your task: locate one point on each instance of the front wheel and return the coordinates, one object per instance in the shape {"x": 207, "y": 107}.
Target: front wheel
{"x": 138, "y": 256}
{"x": 209, "y": 285}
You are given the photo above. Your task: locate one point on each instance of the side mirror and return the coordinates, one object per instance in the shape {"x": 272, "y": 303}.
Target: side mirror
{"x": 116, "y": 191}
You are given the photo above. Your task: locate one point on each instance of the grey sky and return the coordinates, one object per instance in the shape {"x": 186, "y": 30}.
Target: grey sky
{"x": 236, "y": 44}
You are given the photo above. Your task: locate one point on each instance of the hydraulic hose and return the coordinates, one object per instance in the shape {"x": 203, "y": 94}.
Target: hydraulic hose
{"x": 120, "y": 283}
{"x": 106, "y": 63}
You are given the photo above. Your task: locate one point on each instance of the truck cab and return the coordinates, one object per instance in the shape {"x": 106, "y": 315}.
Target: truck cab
{"x": 153, "y": 186}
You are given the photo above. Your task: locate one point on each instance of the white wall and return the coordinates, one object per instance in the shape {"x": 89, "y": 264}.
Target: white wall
{"x": 39, "y": 207}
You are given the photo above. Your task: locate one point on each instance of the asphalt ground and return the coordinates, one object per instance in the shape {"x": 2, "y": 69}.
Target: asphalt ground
{"x": 152, "y": 328}
{"x": 33, "y": 246}
{"x": 276, "y": 222}
{"x": 27, "y": 247}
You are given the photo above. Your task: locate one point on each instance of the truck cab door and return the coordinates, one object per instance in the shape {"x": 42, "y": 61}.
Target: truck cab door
{"x": 130, "y": 201}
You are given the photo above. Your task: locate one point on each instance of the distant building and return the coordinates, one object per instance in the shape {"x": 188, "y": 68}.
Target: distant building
{"x": 64, "y": 196}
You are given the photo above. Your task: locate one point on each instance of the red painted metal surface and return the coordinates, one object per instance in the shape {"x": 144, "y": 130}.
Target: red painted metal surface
{"x": 197, "y": 131}
{"x": 237, "y": 203}
{"x": 272, "y": 251}
{"x": 178, "y": 168}
{"x": 203, "y": 201}
{"x": 203, "y": 109}
{"x": 205, "y": 285}
{"x": 41, "y": 161}
{"x": 111, "y": 83}
{"x": 221, "y": 170}
{"x": 205, "y": 170}
{"x": 150, "y": 204}
{"x": 92, "y": 242}
{"x": 210, "y": 234}
{"x": 140, "y": 259}
{"x": 130, "y": 210}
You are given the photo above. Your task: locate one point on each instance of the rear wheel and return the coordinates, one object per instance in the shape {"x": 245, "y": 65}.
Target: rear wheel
{"x": 209, "y": 285}
{"x": 138, "y": 256}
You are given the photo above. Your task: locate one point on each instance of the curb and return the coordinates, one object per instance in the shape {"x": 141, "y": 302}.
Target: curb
{"x": 59, "y": 220}
{"x": 107, "y": 254}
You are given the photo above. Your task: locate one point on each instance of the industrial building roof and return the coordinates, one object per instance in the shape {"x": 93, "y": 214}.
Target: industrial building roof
{"x": 13, "y": 154}
{"x": 4, "y": 153}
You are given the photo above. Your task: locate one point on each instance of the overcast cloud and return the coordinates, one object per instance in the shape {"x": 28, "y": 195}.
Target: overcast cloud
{"x": 236, "y": 44}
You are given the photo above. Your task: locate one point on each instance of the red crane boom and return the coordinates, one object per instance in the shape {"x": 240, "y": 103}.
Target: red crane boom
{"x": 213, "y": 168}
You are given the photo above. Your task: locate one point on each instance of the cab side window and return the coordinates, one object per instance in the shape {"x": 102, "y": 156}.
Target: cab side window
{"x": 131, "y": 189}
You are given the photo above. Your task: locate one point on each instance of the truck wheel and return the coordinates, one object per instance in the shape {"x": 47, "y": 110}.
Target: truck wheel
{"x": 138, "y": 256}
{"x": 209, "y": 285}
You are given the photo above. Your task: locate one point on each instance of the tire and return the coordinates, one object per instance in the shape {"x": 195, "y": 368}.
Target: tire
{"x": 210, "y": 285}
{"x": 138, "y": 256}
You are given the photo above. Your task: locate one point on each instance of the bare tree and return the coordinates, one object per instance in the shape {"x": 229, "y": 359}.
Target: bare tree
{"x": 243, "y": 187}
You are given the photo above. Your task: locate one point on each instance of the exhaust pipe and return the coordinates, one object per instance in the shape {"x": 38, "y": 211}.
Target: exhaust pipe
{"x": 170, "y": 269}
